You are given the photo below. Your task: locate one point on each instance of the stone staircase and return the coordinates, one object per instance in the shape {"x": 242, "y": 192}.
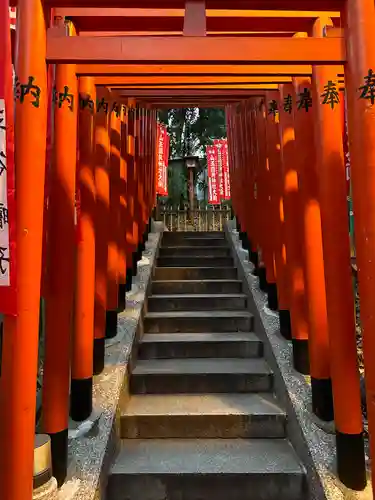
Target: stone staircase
{"x": 201, "y": 421}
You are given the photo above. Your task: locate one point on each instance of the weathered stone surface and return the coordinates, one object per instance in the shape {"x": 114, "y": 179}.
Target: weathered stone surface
{"x": 196, "y": 251}
{"x": 198, "y": 321}
{"x": 195, "y": 273}
{"x": 196, "y": 286}
{"x": 194, "y": 261}
{"x": 203, "y": 416}
{"x": 196, "y": 302}
{"x": 210, "y": 375}
{"x": 206, "y": 468}
{"x": 200, "y": 345}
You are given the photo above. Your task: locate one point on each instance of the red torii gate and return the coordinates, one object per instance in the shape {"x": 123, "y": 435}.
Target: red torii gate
{"x": 328, "y": 284}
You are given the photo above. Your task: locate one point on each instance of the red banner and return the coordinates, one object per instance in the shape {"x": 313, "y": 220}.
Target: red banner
{"x": 223, "y": 166}
{"x": 165, "y": 168}
{"x": 162, "y": 161}
{"x": 213, "y": 178}
{"x": 218, "y": 143}
{"x": 8, "y": 299}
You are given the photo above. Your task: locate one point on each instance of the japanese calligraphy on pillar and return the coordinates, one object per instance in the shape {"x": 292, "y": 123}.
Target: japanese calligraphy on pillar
{"x": 345, "y": 141}
{"x": 7, "y": 191}
{"x": 213, "y": 177}
{"x": 162, "y": 161}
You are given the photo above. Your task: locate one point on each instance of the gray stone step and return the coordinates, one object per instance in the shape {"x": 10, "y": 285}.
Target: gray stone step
{"x": 198, "y": 321}
{"x": 194, "y": 251}
{"x": 196, "y": 286}
{"x": 192, "y": 261}
{"x": 194, "y": 241}
{"x": 196, "y": 302}
{"x": 199, "y": 345}
{"x": 182, "y": 235}
{"x": 203, "y": 416}
{"x": 197, "y": 376}
{"x": 206, "y": 469}
{"x": 194, "y": 273}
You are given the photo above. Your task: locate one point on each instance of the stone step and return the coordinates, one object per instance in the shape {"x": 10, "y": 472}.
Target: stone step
{"x": 198, "y": 321}
{"x": 193, "y": 261}
{"x": 194, "y": 273}
{"x": 197, "y": 302}
{"x": 199, "y": 345}
{"x": 202, "y": 416}
{"x": 194, "y": 251}
{"x": 206, "y": 469}
{"x": 196, "y": 286}
{"x": 197, "y": 376}
{"x": 182, "y": 235}
{"x": 194, "y": 241}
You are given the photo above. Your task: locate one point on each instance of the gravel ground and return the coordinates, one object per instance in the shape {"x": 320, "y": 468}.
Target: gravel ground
{"x": 361, "y": 369}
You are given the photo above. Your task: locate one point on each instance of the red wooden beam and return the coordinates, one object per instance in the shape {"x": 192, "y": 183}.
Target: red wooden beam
{"x": 188, "y": 93}
{"x": 195, "y": 50}
{"x": 186, "y": 81}
{"x": 322, "y": 5}
{"x": 192, "y": 70}
{"x": 172, "y": 20}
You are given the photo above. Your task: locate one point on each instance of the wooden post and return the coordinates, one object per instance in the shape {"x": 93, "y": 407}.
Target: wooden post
{"x": 245, "y": 233}
{"x": 276, "y": 212}
{"x": 123, "y": 209}
{"x": 114, "y": 227}
{"x": 328, "y": 120}
{"x": 132, "y": 226}
{"x": 138, "y": 189}
{"x": 61, "y": 269}
{"x": 20, "y": 338}
{"x": 266, "y": 271}
{"x": 359, "y": 21}
{"x": 102, "y": 215}
{"x": 312, "y": 251}
{"x": 83, "y": 336}
{"x": 293, "y": 232}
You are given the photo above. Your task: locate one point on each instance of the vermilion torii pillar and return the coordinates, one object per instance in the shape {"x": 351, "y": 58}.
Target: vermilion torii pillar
{"x": 61, "y": 268}
{"x": 293, "y": 233}
{"x": 359, "y": 21}
{"x": 113, "y": 222}
{"x": 102, "y": 216}
{"x": 276, "y": 212}
{"x": 266, "y": 271}
{"x": 20, "y": 339}
{"x": 122, "y": 245}
{"x": 83, "y": 334}
{"x": 312, "y": 251}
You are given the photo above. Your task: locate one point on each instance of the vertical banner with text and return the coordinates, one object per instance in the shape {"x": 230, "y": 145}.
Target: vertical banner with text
{"x": 224, "y": 180}
{"x": 8, "y": 302}
{"x": 162, "y": 159}
{"x": 213, "y": 178}
{"x": 165, "y": 167}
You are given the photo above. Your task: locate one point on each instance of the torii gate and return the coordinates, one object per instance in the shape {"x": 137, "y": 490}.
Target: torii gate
{"x": 200, "y": 67}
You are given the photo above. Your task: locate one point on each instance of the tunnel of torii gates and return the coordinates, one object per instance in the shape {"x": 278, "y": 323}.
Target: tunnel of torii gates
{"x": 281, "y": 75}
